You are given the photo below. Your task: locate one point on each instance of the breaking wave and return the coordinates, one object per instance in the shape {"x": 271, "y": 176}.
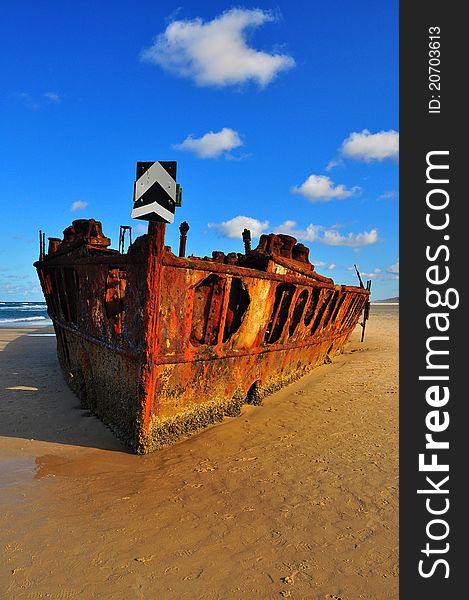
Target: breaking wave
{"x": 23, "y": 319}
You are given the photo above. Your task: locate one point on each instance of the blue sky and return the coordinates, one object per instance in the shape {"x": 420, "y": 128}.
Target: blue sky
{"x": 283, "y": 117}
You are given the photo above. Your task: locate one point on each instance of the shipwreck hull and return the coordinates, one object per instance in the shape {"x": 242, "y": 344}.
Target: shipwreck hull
{"x": 160, "y": 346}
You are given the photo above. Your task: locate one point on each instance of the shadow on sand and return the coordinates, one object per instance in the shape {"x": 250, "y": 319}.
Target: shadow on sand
{"x": 35, "y": 401}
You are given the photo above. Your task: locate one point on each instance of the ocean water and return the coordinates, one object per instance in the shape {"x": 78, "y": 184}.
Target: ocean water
{"x": 17, "y": 314}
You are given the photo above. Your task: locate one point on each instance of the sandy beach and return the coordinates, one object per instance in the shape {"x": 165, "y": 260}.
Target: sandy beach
{"x": 297, "y": 498}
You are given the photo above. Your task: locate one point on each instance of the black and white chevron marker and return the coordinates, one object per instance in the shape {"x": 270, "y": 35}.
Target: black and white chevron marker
{"x": 156, "y": 191}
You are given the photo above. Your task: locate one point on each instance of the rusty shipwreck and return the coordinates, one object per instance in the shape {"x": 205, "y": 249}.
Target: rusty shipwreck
{"x": 159, "y": 346}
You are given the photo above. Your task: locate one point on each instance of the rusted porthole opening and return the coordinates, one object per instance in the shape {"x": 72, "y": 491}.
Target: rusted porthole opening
{"x": 350, "y": 312}
{"x": 320, "y": 311}
{"x": 254, "y": 396}
{"x": 237, "y": 306}
{"x": 298, "y": 312}
{"x": 339, "y": 306}
{"x": 207, "y": 308}
{"x": 331, "y": 308}
{"x": 309, "y": 312}
{"x": 283, "y": 297}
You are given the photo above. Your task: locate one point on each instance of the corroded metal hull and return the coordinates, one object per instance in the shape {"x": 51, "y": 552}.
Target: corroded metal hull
{"x": 160, "y": 346}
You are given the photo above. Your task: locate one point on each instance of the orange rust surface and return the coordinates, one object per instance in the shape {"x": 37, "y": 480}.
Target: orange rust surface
{"x": 172, "y": 334}
{"x": 151, "y": 315}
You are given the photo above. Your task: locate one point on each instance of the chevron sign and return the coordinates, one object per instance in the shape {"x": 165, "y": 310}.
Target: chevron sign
{"x": 156, "y": 193}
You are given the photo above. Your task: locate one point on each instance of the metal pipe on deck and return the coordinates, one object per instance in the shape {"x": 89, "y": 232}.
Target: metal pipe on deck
{"x": 247, "y": 241}
{"x": 183, "y": 228}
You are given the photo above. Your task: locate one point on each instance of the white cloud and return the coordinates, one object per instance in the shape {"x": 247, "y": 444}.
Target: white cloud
{"x": 78, "y": 205}
{"x": 369, "y": 146}
{"x": 332, "y": 237}
{"x": 312, "y": 233}
{"x": 19, "y": 289}
{"x": 52, "y": 97}
{"x": 28, "y": 101}
{"x": 211, "y": 145}
{"x": 234, "y": 227}
{"x": 215, "y": 52}
{"x": 332, "y": 164}
{"x": 394, "y": 268}
{"x": 33, "y": 103}
{"x": 377, "y": 274}
{"x": 242, "y": 156}
{"x": 390, "y": 195}
{"x": 320, "y": 188}
{"x": 332, "y": 266}
{"x": 140, "y": 228}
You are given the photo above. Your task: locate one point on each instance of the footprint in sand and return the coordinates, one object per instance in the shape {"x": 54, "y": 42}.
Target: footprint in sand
{"x": 144, "y": 559}
{"x": 205, "y": 466}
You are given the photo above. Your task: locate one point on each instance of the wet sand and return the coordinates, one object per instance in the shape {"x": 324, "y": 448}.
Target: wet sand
{"x": 297, "y": 498}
